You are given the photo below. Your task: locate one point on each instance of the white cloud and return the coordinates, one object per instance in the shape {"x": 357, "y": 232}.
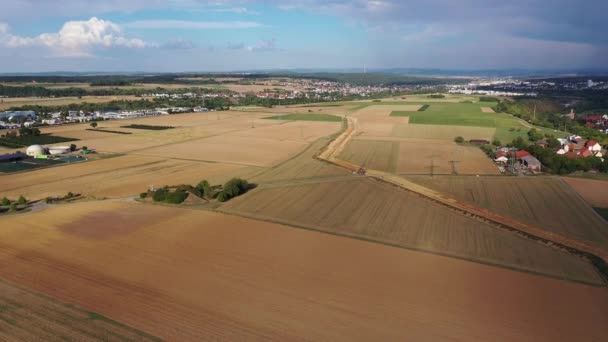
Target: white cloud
{"x": 77, "y": 38}
{"x": 263, "y": 45}
{"x": 3, "y": 28}
{"x": 238, "y": 10}
{"x": 186, "y": 24}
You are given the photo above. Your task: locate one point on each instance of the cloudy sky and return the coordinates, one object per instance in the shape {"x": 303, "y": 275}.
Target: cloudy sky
{"x": 200, "y": 35}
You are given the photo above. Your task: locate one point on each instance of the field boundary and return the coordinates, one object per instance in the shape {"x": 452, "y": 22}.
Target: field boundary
{"x": 596, "y": 256}
{"x": 300, "y": 225}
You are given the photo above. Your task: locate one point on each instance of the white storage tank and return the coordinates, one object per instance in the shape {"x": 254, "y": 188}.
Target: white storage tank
{"x": 35, "y": 150}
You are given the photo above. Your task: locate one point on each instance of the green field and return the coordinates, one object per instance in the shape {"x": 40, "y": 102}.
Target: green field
{"x": 470, "y": 114}
{"x": 306, "y": 117}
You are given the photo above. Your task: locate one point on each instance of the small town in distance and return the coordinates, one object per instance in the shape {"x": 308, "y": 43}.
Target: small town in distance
{"x": 303, "y": 171}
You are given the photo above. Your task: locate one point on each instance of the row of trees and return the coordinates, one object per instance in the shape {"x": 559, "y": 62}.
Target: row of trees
{"x": 233, "y": 188}
{"x": 39, "y": 91}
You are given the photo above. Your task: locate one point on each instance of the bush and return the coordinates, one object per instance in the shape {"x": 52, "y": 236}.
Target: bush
{"x": 73, "y": 147}
{"x": 94, "y": 124}
{"x": 436, "y": 96}
{"x": 143, "y": 195}
{"x": 233, "y": 188}
{"x": 13, "y": 207}
{"x": 22, "y": 200}
{"x": 176, "y": 197}
{"x": 459, "y": 140}
{"x": 205, "y": 189}
{"x": 160, "y": 195}
{"x": 496, "y": 142}
{"x": 6, "y": 201}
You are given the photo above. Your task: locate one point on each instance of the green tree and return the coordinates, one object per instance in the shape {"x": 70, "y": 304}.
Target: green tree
{"x": 6, "y": 201}
{"x": 94, "y": 124}
{"x": 496, "y": 142}
{"x": 534, "y": 135}
{"x": 73, "y": 147}
{"x": 459, "y": 140}
{"x": 22, "y": 200}
{"x": 13, "y": 207}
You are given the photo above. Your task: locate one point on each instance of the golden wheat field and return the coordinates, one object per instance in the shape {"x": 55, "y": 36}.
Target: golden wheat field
{"x": 543, "y": 201}
{"x": 189, "y": 275}
{"x": 370, "y": 210}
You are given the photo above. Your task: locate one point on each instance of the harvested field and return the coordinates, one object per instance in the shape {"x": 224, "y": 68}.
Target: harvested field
{"x": 214, "y": 277}
{"x": 230, "y": 149}
{"x": 377, "y": 155}
{"x": 487, "y": 110}
{"x": 594, "y": 192}
{"x": 543, "y": 201}
{"x": 306, "y": 117}
{"x": 302, "y": 131}
{"x": 30, "y": 316}
{"x": 301, "y": 167}
{"x": 115, "y": 177}
{"x": 441, "y": 132}
{"x": 418, "y": 156}
{"x": 374, "y": 211}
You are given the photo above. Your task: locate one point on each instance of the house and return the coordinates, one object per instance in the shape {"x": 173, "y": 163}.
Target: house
{"x": 522, "y": 153}
{"x": 542, "y": 143}
{"x": 502, "y": 157}
{"x": 593, "y": 146}
{"x": 531, "y": 163}
{"x": 585, "y": 152}
{"x": 572, "y": 155}
{"x": 561, "y": 150}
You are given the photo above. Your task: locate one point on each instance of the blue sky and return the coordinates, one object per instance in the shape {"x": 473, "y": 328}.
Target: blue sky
{"x": 229, "y": 35}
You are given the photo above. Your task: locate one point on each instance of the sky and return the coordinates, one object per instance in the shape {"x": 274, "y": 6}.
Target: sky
{"x": 234, "y": 35}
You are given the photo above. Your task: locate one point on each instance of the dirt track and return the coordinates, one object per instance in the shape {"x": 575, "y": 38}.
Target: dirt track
{"x": 332, "y": 150}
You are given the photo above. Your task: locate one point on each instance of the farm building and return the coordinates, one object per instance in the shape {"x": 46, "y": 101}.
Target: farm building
{"x": 531, "y": 163}
{"x": 35, "y": 150}
{"x": 12, "y": 157}
{"x": 479, "y": 142}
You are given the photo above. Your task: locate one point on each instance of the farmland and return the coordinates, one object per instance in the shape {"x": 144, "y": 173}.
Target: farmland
{"x": 313, "y": 252}
{"x": 418, "y": 156}
{"x": 190, "y": 282}
{"x": 369, "y": 210}
{"x": 306, "y": 117}
{"x": 31, "y": 316}
{"x": 593, "y": 191}
{"x": 544, "y": 201}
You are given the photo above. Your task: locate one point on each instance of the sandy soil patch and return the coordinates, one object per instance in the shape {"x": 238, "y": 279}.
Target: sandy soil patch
{"x": 487, "y": 110}
{"x": 210, "y": 276}
{"x": 595, "y": 192}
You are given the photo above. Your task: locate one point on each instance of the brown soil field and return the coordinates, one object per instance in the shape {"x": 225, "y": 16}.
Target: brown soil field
{"x": 370, "y": 210}
{"x": 301, "y": 167}
{"x": 418, "y": 156}
{"x": 208, "y": 276}
{"x": 543, "y": 201}
{"x": 115, "y": 177}
{"x": 442, "y": 132}
{"x": 487, "y": 110}
{"x": 30, "y": 316}
{"x": 595, "y": 192}
{"x": 59, "y": 101}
